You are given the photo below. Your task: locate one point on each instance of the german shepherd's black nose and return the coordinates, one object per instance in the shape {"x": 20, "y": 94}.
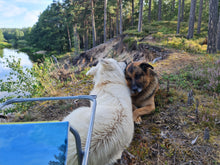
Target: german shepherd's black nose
{"x": 134, "y": 88}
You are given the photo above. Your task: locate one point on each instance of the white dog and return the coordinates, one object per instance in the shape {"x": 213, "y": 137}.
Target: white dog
{"x": 113, "y": 126}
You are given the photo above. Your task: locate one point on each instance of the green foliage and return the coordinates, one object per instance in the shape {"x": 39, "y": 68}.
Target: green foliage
{"x": 186, "y": 45}
{"x": 1, "y": 36}
{"x": 43, "y": 79}
{"x": 5, "y": 45}
{"x": 54, "y": 29}
{"x": 135, "y": 33}
{"x": 17, "y": 37}
{"x": 129, "y": 41}
{"x": 22, "y": 82}
{"x": 49, "y": 33}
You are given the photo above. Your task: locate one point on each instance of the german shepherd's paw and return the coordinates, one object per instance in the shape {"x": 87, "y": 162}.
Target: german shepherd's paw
{"x": 138, "y": 120}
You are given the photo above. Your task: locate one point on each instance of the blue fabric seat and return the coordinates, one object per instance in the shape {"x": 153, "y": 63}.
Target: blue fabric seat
{"x": 34, "y": 143}
{"x": 42, "y": 143}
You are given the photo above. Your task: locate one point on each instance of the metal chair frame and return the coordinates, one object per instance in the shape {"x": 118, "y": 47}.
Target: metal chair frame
{"x": 82, "y": 155}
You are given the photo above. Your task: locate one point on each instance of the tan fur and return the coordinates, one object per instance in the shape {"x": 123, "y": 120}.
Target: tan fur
{"x": 143, "y": 84}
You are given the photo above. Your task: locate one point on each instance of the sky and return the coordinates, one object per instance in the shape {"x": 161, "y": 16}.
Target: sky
{"x": 21, "y": 13}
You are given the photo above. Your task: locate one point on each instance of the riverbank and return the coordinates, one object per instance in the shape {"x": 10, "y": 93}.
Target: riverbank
{"x": 5, "y": 45}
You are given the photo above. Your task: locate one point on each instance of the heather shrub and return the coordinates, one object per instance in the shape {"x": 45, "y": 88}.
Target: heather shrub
{"x": 214, "y": 76}
{"x": 209, "y": 75}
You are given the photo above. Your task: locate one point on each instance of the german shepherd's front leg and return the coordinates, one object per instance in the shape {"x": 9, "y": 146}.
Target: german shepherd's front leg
{"x": 138, "y": 112}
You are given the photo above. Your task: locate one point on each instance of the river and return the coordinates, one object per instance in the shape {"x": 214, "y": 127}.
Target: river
{"x": 11, "y": 54}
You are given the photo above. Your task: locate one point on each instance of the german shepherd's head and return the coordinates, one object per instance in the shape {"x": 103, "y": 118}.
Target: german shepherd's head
{"x": 138, "y": 75}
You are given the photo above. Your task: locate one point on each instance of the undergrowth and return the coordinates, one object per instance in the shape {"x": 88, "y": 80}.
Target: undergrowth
{"x": 164, "y": 32}
{"x": 42, "y": 80}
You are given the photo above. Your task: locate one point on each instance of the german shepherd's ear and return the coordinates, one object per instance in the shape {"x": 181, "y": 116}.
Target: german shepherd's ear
{"x": 144, "y": 66}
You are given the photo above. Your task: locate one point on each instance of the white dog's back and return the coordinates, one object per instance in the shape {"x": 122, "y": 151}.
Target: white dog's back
{"x": 113, "y": 127}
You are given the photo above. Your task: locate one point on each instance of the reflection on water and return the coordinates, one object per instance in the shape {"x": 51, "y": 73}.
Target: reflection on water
{"x": 11, "y": 54}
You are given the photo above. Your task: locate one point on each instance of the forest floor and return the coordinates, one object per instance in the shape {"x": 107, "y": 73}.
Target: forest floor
{"x": 174, "y": 133}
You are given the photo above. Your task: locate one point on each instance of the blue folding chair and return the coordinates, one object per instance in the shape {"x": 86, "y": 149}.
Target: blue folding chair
{"x": 42, "y": 143}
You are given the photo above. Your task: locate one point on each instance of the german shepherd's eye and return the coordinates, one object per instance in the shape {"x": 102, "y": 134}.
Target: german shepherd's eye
{"x": 128, "y": 78}
{"x": 138, "y": 76}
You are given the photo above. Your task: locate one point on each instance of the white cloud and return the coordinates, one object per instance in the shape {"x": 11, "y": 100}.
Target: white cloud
{"x": 34, "y": 1}
{"x": 21, "y": 13}
{"x": 10, "y": 10}
{"x": 31, "y": 17}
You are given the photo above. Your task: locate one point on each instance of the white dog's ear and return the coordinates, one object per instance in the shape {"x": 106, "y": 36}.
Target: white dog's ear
{"x": 92, "y": 71}
{"x": 122, "y": 65}
{"x": 106, "y": 63}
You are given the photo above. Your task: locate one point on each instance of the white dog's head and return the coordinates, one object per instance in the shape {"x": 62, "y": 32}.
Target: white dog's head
{"x": 107, "y": 70}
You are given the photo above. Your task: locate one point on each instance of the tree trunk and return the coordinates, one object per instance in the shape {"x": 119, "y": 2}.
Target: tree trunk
{"x": 117, "y": 22}
{"x": 159, "y": 9}
{"x": 86, "y": 36}
{"x": 218, "y": 34}
{"x": 182, "y": 10}
{"x": 149, "y": 12}
{"x": 76, "y": 40}
{"x": 191, "y": 19}
{"x": 178, "y": 24}
{"x": 120, "y": 16}
{"x": 105, "y": 18}
{"x": 140, "y": 16}
{"x": 93, "y": 24}
{"x": 212, "y": 26}
{"x": 69, "y": 39}
{"x": 200, "y": 16}
{"x": 132, "y": 15}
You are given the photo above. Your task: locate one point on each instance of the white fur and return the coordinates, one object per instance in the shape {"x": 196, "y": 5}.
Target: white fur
{"x": 113, "y": 127}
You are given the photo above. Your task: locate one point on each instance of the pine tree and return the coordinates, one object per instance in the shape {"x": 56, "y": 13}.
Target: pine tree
{"x": 191, "y": 19}
{"x": 132, "y": 14}
{"x": 200, "y": 16}
{"x": 178, "y": 24}
{"x": 159, "y": 9}
{"x": 182, "y": 10}
{"x": 212, "y": 26}
{"x": 140, "y": 16}
{"x": 105, "y": 18}
{"x": 218, "y": 34}
{"x": 149, "y": 12}
{"x": 93, "y": 23}
{"x": 121, "y": 26}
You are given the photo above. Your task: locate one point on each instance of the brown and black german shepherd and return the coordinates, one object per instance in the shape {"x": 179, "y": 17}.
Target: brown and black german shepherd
{"x": 143, "y": 83}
